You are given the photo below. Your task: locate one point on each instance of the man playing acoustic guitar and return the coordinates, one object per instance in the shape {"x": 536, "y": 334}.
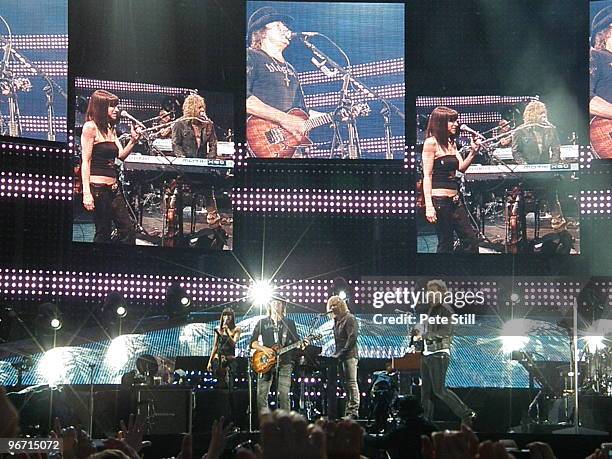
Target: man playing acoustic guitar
{"x": 275, "y": 330}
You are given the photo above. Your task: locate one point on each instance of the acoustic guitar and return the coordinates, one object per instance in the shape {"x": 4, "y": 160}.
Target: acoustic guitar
{"x": 267, "y": 139}
{"x": 601, "y": 137}
{"x": 262, "y": 364}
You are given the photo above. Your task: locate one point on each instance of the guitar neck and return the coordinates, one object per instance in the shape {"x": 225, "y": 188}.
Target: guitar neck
{"x": 290, "y": 347}
{"x": 318, "y": 121}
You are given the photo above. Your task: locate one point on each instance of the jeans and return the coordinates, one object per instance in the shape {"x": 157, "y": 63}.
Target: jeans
{"x": 283, "y": 385}
{"x": 349, "y": 380}
{"x": 453, "y": 218}
{"x": 110, "y": 207}
{"x": 433, "y": 374}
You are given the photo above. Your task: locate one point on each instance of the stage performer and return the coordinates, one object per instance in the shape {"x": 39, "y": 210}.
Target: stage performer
{"x": 223, "y": 354}
{"x": 193, "y": 136}
{"x": 536, "y": 141}
{"x": 346, "y": 330}
{"x": 275, "y": 330}
{"x": 443, "y": 204}
{"x": 273, "y": 87}
{"x": 437, "y": 340}
{"x": 100, "y": 148}
{"x": 600, "y": 104}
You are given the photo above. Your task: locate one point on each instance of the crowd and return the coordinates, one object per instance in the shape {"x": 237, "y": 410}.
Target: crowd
{"x": 284, "y": 435}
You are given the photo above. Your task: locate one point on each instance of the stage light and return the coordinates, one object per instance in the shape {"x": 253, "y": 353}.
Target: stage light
{"x": 55, "y": 323}
{"x": 261, "y": 292}
{"x": 342, "y": 294}
{"x": 594, "y": 343}
{"x": 121, "y": 311}
{"x": 185, "y": 301}
{"x": 513, "y": 335}
{"x": 177, "y": 301}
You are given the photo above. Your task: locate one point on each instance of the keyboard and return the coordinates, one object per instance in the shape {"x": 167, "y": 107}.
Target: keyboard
{"x": 137, "y": 162}
{"x": 500, "y": 172}
{"x": 223, "y": 148}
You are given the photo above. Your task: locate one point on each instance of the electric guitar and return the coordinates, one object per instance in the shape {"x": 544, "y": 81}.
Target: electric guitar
{"x": 601, "y": 137}
{"x": 267, "y": 139}
{"x": 262, "y": 364}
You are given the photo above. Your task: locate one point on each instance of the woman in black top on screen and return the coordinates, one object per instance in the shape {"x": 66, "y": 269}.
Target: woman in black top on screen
{"x": 443, "y": 206}
{"x": 223, "y": 354}
{"x": 100, "y": 148}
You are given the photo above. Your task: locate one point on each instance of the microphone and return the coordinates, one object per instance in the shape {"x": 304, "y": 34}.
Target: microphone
{"x": 466, "y": 128}
{"x": 321, "y": 65}
{"x": 323, "y": 314}
{"x": 131, "y": 118}
{"x": 303, "y": 35}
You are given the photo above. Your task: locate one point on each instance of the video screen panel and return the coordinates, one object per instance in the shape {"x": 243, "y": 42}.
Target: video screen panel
{"x": 600, "y": 94}
{"x": 325, "y": 80}
{"x": 506, "y": 183}
{"x": 162, "y": 173}
{"x": 34, "y": 69}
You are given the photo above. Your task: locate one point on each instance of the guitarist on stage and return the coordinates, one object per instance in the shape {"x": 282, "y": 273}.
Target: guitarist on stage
{"x": 600, "y": 104}
{"x": 273, "y": 87}
{"x": 275, "y": 330}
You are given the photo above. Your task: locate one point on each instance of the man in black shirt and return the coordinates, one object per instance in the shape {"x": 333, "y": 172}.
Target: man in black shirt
{"x": 346, "y": 330}
{"x": 601, "y": 76}
{"x": 275, "y": 330}
{"x": 273, "y": 87}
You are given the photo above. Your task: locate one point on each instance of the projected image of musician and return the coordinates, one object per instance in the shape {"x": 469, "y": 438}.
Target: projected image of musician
{"x": 496, "y": 177}
{"x": 178, "y": 177}
{"x": 536, "y": 140}
{"x": 289, "y": 76}
{"x": 443, "y": 203}
{"x": 271, "y": 337}
{"x": 600, "y": 105}
{"x": 100, "y": 145}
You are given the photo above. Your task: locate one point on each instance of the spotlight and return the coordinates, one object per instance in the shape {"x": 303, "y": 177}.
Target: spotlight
{"x": 55, "y": 323}
{"x": 261, "y": 292}
{"x": 177, "y": 301}
{"x": 514, "y": 298}
{"x": 595, "y": 343}
{"x": 513, "y": 335}
{"x": 341, "y": 288}
{"x": 121, "y": 311}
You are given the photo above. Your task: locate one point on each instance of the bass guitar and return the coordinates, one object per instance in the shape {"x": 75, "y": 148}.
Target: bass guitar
{"x": 262, "y": 364}
{"x": 267, "y": 139}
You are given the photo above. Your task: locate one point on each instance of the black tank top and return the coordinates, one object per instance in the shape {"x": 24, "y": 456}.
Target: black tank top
{"x": 226, "y": 346}
{"x": 444, "y": 173}
{"x": 103, "y": 157}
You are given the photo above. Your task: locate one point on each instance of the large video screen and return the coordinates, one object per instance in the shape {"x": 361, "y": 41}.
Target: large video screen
{"x": 34, "y": 69}
{"x": 496, "y": 175}
{"x": 600, "y": 95}
{"x": 325, "y": 80}
{"x": 154, "y": 165}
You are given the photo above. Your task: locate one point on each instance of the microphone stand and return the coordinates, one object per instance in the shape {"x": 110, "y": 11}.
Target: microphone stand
{"x": 50, "y": 111}
{"x": 349, "y": 78}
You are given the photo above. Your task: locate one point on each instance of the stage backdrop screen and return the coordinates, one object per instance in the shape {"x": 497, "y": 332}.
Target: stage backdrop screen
{"x": 518, "y": 194}
{"x": 338, "y": 65}
{"x": 170, "y": 188}
{"x": 34, "y": 69}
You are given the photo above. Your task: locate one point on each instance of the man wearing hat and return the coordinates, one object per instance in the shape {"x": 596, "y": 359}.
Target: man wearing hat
{"x": 601, "y": 71}
{"x": 273, "y": 87}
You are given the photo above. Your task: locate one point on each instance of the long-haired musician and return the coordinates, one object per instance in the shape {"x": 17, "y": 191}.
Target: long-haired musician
{"x": 100, "y": 148}
{"x": 275, "y": 330}
{"x": 223, "y": 354}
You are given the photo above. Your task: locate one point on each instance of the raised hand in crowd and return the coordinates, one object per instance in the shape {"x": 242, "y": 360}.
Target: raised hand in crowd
{"x": 218, "y": 438}
{"x": 76, "y": 444}
{"x": 344, "y": 439}
{"x": 9, "y": 418}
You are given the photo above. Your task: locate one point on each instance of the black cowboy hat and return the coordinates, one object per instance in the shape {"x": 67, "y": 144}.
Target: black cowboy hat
{"x": 266, "y": 15}
{"x": 602, "y": 20}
